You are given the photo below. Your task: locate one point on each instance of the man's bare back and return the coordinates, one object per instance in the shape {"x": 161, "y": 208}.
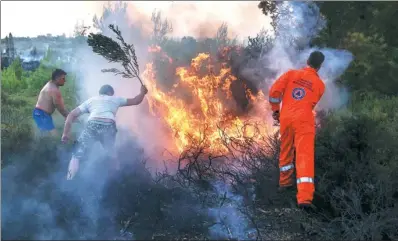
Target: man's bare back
{"x": 49, "y": 99}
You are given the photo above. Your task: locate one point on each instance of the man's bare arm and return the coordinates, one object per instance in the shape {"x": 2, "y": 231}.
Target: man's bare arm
{"x": 69, "y": 119}
{"x": 59, "y": 102}
{"x": 138, "y": 99}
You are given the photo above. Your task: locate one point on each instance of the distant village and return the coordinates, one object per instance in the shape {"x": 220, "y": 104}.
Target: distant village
{"x": 32, "y": 50}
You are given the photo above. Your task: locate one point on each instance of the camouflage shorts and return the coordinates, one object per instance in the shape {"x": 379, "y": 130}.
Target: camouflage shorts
{"x": 104, "y": 132}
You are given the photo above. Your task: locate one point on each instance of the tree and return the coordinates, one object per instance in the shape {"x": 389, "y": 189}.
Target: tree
{"x": 118, "y": 10}
{"x": 6, "y": 44}
{"x": 12, "y": 77}
{"x": 80, "y": 30}
{"x": 363, "y": 29}
{"x": 10, "y": 47}
{"x": 33, "y": 52}
{"x": 222, "y": 35}
{"x": 9, "y": 54}
{"x": 270, "y": 8}
{"x": 160, "y": 28}
{"x": 259, "y": 45}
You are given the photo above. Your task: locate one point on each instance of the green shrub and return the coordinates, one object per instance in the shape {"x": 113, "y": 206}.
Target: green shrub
{"x": 12, "y": 77}
{"x": 356, "y": 170}
{"x": 18, "y": 96}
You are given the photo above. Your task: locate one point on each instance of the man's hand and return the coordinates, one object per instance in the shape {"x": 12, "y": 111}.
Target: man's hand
{"x": 139, "y": 98}
{"x": 276, "y": 115}
{"x": 144, "y": 90}
{"x": 65, "y": 138}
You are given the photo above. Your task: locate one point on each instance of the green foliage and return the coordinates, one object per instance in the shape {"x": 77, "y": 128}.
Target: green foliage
{"x": 360, "y": 27}
{"x": 356, "y": 168}
{"x": 12, "y": 77}
{"x": 39, "y": 78}
{"x": 16, "y": 130}
{"x": 373, "y": 69}
{"x": 18, "y": 97}
{"x": 69, "y": 91}
{"x": 50, "y": 60}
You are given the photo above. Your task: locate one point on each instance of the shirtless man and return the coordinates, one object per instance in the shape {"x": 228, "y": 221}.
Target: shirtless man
{"x": 101, "y": 124}
{"x": 50, "y": 98}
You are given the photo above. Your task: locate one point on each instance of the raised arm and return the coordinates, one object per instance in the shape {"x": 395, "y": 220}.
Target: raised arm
{"x": 59, "y": 102}
{"x": 138, "y": 99}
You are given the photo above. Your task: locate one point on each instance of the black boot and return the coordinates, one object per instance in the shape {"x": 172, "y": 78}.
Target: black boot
{"x": 307, "y": 207}
{"x": 286, "y": 188}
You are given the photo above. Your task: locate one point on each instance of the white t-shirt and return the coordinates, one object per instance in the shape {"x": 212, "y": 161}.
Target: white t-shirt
{"x": 103, "y": 106}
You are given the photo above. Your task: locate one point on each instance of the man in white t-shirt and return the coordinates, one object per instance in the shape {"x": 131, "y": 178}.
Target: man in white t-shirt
{"x": 101, "y": 124}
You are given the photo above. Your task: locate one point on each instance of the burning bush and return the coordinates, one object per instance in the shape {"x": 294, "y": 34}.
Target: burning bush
{"x": 204, "y": 98}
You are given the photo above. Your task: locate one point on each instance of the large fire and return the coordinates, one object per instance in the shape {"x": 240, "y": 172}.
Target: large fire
{"x": 197, "y": 108}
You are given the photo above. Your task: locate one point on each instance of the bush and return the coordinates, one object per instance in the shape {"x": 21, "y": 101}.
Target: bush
{"x": 357, "y": 162}
{"x": 39, "y": 203}
{"x": 12, "y": 77}
{"x": 16, "y": 128}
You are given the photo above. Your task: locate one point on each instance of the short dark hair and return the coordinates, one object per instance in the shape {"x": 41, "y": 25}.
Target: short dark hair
{"x": 106, "y": 90}
{"x": 57, "y": 73}
{"x": 316, "y": 59}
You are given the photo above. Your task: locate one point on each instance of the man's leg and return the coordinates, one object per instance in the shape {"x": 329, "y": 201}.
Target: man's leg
{"x": 84, "y": 143}
{"x": 304, "y": 141}
{"x": 108, "y": 139}
{"x": 72, "y": 168}
{"x": 286, "y": 166}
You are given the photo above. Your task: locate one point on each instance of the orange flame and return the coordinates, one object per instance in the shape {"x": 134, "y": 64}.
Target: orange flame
{"x": 201, "y": 118}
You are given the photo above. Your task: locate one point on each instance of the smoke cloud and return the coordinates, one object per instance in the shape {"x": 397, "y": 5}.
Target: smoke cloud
{"x": 201, "y": 18}
{"x": 298, "y": 24}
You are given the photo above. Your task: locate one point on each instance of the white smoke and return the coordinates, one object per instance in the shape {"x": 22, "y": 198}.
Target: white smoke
{"x": 299, "y": 23}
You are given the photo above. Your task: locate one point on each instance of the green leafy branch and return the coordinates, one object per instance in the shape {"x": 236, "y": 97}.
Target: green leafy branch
{"x": 116, "y": 53}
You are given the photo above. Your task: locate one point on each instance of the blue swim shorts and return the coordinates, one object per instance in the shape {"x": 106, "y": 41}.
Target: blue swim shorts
{"x": 43, "y": 120}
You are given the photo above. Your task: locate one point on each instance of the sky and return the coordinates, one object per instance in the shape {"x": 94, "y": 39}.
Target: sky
{"x": 32, "y": 18}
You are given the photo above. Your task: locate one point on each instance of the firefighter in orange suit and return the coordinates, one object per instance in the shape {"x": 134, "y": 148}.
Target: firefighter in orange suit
{"x": 299, "y": 91}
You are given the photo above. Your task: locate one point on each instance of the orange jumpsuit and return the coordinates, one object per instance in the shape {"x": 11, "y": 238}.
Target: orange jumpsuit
{"x": 299, "y": 91}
